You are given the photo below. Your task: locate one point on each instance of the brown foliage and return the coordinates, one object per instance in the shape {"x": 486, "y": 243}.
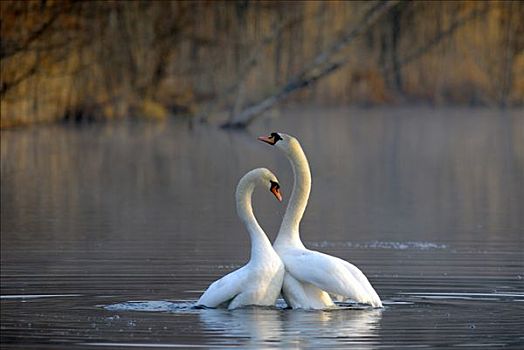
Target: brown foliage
{"x": 113, "y": 59}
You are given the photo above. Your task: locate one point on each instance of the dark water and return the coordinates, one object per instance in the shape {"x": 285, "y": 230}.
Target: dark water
{"x": 109, "y": 233}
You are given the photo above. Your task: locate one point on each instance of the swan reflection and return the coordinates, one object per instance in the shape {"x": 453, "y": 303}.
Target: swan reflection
{"x": 318, "y": 329}
{"x": 246, "y": 326}
{"x": 256, "y": 327}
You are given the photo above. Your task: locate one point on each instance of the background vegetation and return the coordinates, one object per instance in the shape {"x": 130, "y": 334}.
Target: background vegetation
{"x": 69, "y": 60}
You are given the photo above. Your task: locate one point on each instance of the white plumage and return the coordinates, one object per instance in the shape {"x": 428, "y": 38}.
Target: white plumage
{"x": 259, "y": 282}
{"x": 311, "y": 275}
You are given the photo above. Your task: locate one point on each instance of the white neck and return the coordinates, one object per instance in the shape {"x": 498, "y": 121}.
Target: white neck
{"x": 289, "y": 229}
{"x": 260, "y": 244}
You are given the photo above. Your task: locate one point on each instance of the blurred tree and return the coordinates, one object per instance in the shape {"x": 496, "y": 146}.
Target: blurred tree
{"x": 71, "y": 60}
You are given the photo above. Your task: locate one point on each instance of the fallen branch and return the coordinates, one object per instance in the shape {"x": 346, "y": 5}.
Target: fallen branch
{"x": 317, "y": 69}
{"x": 321, "y": 66}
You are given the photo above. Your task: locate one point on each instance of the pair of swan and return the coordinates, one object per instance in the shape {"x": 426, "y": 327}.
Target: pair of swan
{"x": 306, "y": 279}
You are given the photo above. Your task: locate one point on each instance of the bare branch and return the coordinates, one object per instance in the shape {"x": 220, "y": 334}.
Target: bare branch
{"x": 44, "y": 27}
{"x": 6, "y": 86}
{"x": 317, "y": 69}
{"x": 248, "y": 66}
{"x": 443, "y": 35}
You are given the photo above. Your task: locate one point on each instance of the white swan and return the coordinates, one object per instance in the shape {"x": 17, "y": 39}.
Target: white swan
{"x": 259, "y": 281}
{"x": 310, "y": 274}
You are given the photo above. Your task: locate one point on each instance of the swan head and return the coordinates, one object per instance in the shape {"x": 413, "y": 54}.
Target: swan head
{"x": 284, "y": 142}
{"x": 275, "y": 189}
{"x": 261, "y": 177}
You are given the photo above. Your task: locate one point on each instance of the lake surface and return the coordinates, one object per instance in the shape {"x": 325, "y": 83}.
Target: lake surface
{"x": 110, "y": 233}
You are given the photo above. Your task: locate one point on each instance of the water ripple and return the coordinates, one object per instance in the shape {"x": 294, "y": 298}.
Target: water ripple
{"x": 153, "y": 306}
{"x": 379, "y": 245}
{"x": 508, "y": 296}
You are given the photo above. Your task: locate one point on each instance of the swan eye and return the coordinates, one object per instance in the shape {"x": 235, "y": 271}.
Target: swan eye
{"x": 276, "y": 137}
{"x": 274, "y": 185}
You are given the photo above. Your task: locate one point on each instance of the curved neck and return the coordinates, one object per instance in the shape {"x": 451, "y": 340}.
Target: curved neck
{"x": 289, "y": 229}
{"x": 260, "y": 244}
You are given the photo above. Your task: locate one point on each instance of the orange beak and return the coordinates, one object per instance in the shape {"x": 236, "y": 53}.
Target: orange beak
{"x": 277, "y": 194}
{"x": 266, "y": 139}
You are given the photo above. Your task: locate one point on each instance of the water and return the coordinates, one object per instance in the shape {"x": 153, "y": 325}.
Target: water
{"x": 111, "y": 232}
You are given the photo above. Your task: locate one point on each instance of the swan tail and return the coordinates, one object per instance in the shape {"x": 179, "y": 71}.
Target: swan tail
{"x": 369, "y": 295}
{"x": 300, "y": 295}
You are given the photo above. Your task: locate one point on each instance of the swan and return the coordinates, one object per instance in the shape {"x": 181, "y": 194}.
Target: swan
{"x": 259, "y": 281}
{"x": 311, "y": 275}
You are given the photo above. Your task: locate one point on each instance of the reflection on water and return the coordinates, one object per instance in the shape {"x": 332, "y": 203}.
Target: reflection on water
{"x": 315, "y": 329}
{"x": 338, "y": 328}
{"x": 428, "y": 203}
{"x": 253, "y": 326}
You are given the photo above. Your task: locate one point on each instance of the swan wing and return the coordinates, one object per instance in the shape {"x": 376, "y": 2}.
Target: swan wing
{"x": 331, "y": 274}
{"x": 225, "y": 289}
